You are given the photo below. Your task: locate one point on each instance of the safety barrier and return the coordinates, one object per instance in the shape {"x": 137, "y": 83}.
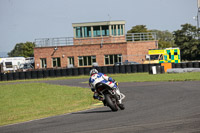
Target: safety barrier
{"x": 40, "y": 74}
{"x": 37, "y": 74}
{"x": 156, "y": 69}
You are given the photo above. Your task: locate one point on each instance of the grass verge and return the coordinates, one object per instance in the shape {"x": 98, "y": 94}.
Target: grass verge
{"x": 23, "y": 102}
{"x": 145, "y": 77}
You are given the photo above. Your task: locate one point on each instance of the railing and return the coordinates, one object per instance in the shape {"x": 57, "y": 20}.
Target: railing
{"x": 65, "y": 41}
{"x": 60, "y": 41}
{"x": 146, "y": 36}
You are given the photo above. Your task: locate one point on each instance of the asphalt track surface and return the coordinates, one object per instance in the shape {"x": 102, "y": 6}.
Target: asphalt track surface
{"x": 151, "y": 107}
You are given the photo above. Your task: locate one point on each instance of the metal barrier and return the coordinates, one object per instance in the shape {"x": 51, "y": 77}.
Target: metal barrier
{"x": 64, "y": 41}
{"x": 141, "y": 36}
{"x": 59, "y": 41}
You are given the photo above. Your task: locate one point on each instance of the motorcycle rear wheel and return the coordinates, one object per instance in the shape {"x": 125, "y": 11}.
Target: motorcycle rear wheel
{"x": 111, "y": 102}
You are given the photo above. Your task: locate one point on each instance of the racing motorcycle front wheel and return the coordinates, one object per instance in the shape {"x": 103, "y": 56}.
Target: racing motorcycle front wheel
{"x": 111, "y": 102}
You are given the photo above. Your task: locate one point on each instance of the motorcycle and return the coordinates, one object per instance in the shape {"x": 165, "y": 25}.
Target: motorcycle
{"x": 110, "y": 97}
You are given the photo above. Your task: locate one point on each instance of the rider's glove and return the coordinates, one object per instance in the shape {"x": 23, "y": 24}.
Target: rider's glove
{"x": 110, "y": 79}
{"x": 116, "y": 83}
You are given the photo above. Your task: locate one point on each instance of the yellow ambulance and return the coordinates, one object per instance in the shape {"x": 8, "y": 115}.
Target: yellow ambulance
{"x": 167, "y": 55}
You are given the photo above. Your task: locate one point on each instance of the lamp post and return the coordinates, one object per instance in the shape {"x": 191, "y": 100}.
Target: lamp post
{"x": 198, "y": 15}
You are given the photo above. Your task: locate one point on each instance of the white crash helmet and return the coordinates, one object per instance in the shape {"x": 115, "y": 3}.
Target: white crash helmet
{"x": 93, "y": 71}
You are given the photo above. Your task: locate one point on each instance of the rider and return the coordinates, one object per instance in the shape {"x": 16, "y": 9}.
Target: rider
{"x": 97, "y": 77}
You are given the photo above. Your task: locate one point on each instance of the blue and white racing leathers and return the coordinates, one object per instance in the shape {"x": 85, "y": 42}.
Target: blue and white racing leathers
{"x": 102, "y": 78}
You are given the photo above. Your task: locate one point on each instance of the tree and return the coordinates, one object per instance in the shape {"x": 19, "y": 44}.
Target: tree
{"x": 137, "y": 37}
{"x": 165, "y": 38}
{"x": 138, "y": 29}
{"x": 22, "y": 49}
{"x": 187, "y": 40}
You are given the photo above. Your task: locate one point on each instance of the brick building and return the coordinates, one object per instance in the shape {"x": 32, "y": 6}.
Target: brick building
{"x": 103, "y": 43}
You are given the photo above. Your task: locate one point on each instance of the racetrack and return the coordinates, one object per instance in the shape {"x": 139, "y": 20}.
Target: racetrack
{"x": 152, "y": 107}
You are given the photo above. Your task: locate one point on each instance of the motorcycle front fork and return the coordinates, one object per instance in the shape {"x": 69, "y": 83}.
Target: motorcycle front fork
{"x": 116, "y": 93}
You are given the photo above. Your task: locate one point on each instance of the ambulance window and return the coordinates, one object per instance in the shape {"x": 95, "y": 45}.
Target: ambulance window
{"x": 154, "y": 57}
{"x": 169, "y": 55}
{"x": 175, "y": 53}
{"x": 161, "y": 57}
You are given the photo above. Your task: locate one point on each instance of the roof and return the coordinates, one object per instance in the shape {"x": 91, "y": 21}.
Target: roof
{"x": 98, "y": 23}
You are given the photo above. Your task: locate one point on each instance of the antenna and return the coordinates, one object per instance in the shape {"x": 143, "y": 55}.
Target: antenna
{"x": 109, "y": 17}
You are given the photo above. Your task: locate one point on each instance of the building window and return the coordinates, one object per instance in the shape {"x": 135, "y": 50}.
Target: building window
{"x": 71, "y": 61}
{"x": 79, "y": 32}
{"x": 87, "y": 31}
{"x": 114, "y": 32}
{"x": 122, "y": 30}
{"x": 43, "y": 63}
{"x": 96, "y": 31}
{"x": 56, "y": 62}
{"x": 118, "y": 30}
{"x": 86, "y": 60}
{"x": 105, "y": 30}
{"x": 112, "y": 59}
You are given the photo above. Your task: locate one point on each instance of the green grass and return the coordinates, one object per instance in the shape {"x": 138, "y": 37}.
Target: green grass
{"x": 23, "y": 102}
{"x": 145, "y": 77}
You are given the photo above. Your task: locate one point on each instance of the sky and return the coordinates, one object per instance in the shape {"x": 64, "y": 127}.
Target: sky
{"x": 26, "y": 20}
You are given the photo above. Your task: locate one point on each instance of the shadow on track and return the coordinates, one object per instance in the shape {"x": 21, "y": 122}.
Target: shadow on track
{"x": 89, "y": 112}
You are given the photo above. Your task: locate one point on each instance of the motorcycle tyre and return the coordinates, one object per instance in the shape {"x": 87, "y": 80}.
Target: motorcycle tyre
{"x": 110, "y": 103}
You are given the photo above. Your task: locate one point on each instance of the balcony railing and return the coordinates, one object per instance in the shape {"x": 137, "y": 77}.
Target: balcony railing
{"x": 141, "y": 36}
{"x": 66, "y": 41}
{"x": 60, "y": 41}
